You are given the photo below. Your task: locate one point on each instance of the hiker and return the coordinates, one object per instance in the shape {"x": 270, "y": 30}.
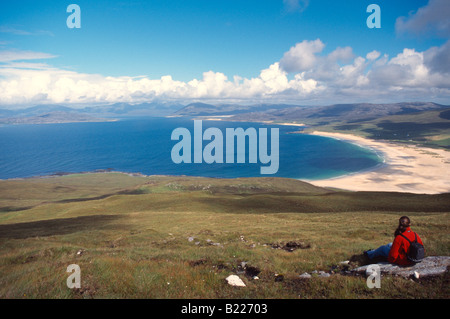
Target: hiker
{"x": 399, "y": 252}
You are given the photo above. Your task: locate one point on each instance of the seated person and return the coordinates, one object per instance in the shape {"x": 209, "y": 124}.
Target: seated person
{"x": 396, "y": 252}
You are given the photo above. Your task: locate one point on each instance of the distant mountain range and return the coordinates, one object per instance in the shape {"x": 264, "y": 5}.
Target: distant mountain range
{"x": 44, "y": 114}
{"x": 311, "y": 115}
{"x": 337, "y": 112}
{"x": 52, "y": 117}
{"x": 420, "y": 123}
{"x": 203, "y": 109}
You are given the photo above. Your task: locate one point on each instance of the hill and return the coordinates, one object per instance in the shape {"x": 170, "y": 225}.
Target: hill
{"x": 52, "y": 117}
{"x": 180, "y": 237}
{"x": 203, "y": 109}
{"x": 45, "y": 114}
{"x": 423, "y": 124}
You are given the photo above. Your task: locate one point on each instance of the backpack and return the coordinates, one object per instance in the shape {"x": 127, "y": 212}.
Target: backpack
{"x": 416, "y": 251}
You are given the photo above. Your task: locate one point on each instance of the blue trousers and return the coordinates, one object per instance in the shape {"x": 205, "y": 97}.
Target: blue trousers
{"x": 382, "y": 251}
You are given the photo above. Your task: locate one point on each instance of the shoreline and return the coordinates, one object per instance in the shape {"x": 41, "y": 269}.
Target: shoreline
{"x": 406, "y": 168}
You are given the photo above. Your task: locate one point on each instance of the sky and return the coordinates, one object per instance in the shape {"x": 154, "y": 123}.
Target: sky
{"x": 304, "y": 52}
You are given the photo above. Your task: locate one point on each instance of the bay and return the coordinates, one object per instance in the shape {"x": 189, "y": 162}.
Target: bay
{"x": 144, "y": 146}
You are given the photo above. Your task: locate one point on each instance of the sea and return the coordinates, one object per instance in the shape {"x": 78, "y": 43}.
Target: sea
{"x": 144, "y": 145}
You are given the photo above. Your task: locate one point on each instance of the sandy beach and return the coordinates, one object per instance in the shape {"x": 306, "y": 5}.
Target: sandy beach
{"x": 407, "y": 168}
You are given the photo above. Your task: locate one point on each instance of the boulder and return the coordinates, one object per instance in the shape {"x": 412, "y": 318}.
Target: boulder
{"x": 235, "y": 281}
{"x": 429, "y": 266}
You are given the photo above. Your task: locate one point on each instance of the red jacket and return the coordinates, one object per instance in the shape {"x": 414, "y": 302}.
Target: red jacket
{"x": 400, "y": 246}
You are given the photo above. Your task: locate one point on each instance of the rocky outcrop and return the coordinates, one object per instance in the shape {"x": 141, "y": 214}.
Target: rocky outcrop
{"x": 429, "y": 266}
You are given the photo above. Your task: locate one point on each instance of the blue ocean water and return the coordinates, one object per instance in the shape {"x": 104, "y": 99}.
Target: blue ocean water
{"x": 144, "y": 146}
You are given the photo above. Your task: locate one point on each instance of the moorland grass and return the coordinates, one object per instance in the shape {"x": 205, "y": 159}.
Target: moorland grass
{"x": 180, "y": 237}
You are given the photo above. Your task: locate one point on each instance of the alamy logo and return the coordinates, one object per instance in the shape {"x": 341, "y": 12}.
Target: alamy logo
{"x": 374, "y": 20}
{"x": 374, "y": 276}
{"x": 74, "y": 19}
{"x": 213, "y": 152}
{"x": 74, "y": 280}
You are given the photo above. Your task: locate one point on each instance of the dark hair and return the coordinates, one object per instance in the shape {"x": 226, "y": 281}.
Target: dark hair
{"x": 403, "y": 223}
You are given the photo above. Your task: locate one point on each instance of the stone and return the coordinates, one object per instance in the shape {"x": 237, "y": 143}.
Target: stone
{"x": 305, "y": 275}
{"x": 429, "y": 266}
{"x": 235, "y": 281}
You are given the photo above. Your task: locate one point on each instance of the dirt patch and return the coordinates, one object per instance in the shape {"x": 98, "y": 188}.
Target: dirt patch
{"x": 7, "y": 209}
{"x": 290, "y": 245}
{"x": 195, "y": 263}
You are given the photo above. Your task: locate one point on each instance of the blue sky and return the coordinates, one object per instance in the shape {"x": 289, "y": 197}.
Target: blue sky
{"x": 185, "y": 39}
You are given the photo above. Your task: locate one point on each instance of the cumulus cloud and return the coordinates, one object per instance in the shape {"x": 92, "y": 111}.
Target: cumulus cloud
{"x": 437, "y": 59}
{"x": 303, "y": 74}
{"x": 302, "y": 56}
{"x": 431, "y": 19}
{"x": 373, "y": 55}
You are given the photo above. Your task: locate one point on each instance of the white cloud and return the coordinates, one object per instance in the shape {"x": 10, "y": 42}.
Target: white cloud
{"x": 302, "y": 56}
{"x": 304, "y": 75}
{"x": 16, "y": 55}
{"x": 373, "y": 55}
{"x": 16, "y": 31}
{"x": 295, "y": 5}
{"x": 430, "y": 19}
{"x": 341, "y": 55}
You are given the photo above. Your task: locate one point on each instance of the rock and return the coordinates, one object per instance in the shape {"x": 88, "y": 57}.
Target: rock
{"x": 429, "y": 266}
{"x": 370, "y": 271}
{"x": 235, "y": 281}
{"x": 305, "y": 275}
{"x": 324, "y": 274}
{"x": 190, "y": 239}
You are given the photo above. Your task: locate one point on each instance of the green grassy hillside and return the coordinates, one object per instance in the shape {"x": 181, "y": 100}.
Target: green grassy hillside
{"x": 429, "y": 128}
{"x": 180, "y": 237}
